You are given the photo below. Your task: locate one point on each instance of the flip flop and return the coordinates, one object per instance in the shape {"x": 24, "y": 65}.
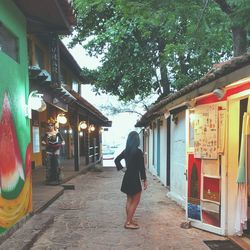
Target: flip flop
{"x": 135, "y": 222}
{"x": 131, "y": 226}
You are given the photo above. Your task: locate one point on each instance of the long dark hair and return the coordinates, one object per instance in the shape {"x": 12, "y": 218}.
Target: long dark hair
{"x": 133, "y": 142}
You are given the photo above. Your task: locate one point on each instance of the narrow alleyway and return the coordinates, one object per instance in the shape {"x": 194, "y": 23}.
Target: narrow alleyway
{"x": 92, "y": 217}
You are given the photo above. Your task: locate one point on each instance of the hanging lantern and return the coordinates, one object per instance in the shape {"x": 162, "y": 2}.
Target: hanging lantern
{"x": 92, "y": 128}
{"x": 83, "y": 125}
{"x": 61, "y": 118}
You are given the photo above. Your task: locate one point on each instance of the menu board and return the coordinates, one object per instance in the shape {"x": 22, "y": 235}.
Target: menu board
{"x": 205, "y": 132}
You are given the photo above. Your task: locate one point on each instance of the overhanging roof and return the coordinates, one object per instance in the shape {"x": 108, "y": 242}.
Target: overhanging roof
{"x": 71, "y": 62}
{"x": 67, "y": 96}
{"x": 219, "y": 76}
{"x": 86, "y": 106}
{"x": 48, "y": 15}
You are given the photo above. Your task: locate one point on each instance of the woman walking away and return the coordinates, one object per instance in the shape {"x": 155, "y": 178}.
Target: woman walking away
{"x": 134, "y": 174}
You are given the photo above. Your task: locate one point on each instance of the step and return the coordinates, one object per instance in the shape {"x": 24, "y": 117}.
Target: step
{"x": 24, "y": 237}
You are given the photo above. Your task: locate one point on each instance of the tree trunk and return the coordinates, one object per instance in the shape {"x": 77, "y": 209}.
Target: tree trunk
{"x": 164, "y": 79}
{"x": 164, "y": 82}
{"x": 239, "y": 40}
{"x": 239, "y": 33}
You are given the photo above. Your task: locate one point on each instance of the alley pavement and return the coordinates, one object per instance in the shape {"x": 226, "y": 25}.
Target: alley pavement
{"x": 92, "y": 217}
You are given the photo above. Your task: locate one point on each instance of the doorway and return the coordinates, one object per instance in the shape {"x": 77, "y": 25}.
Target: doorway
{"x": 168, "y": 150}
{"x": 158, "y": 149}
{"x": 243, "y": 109}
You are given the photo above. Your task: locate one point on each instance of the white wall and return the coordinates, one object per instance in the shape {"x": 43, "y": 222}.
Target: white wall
{"x": 178, "y": 164}
{"x": 163, "y": 153}
{"x": 152, "y": 167}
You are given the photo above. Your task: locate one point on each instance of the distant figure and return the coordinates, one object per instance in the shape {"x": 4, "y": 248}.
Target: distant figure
{"x": 53, "y": 141}
{"x": 134, "y": 174}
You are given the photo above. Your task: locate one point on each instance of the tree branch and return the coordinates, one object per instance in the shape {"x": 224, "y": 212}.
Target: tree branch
{"x": 225, "y": 7}
{"x": 202, "y": 14}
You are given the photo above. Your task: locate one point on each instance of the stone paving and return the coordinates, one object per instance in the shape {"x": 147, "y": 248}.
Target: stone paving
{"x": 92, "y": 217}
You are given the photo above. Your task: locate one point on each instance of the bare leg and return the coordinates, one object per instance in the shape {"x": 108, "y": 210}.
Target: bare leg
{"x": 132, "y": 207}
{"x": 129, "y": 200}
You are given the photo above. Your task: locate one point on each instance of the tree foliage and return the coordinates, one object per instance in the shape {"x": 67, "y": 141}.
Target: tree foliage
{"x": 152, "y": 45}
{"x": 237, "y": 12}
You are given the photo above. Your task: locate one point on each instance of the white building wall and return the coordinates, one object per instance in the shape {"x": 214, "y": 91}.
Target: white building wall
{"x": 178, "y": 164}
{"x": 163, "y": 153}
{"x": 151, "y": 166}
{"x": 154, "y": 163}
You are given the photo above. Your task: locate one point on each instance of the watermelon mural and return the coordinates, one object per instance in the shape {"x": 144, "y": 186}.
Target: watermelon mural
{"x": 15, "y": 172}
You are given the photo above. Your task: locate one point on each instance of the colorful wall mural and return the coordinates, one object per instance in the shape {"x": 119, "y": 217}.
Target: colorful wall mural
{"x": 15, "y": 149}
{"x": 15, "y": 184}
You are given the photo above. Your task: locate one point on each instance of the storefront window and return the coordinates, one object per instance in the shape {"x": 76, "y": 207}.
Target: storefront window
{"x": 8, "y": 43}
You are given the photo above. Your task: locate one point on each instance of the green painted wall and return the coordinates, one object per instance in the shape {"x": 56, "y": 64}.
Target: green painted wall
{"x": 14, "y": 84}
{"x": 13, "y": 75}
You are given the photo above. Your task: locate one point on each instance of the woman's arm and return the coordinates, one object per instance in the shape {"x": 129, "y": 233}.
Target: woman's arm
{"x": 118, "y": 161}
{"x": 142, "y": 170}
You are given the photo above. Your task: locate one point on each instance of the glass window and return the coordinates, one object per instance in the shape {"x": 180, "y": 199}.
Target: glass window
{"x": 8, "y": 43}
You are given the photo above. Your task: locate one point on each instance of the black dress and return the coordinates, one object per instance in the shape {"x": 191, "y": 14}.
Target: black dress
{"x": 131, "y": 183}
{"x": 53, "y": 169}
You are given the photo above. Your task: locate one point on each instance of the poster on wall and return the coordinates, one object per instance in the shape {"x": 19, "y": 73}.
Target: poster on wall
{"x": 205, "y": 132}
{"x": 194, "y": 187}
{"x": 222, "y": 130}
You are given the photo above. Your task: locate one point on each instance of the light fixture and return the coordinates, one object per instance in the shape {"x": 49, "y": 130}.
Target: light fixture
{"x": 219, "y": 93}
{"x": 61, "y": 118}
{"x": 70, "y": 131}
{"x": 43, "y": 107}
{"x": 81, "y": 133}
{"x": 91, "y": 128}
{"x": 35, "y": 102}
{"x": 83, "y": 125}
{"x": 191, "y": 104}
